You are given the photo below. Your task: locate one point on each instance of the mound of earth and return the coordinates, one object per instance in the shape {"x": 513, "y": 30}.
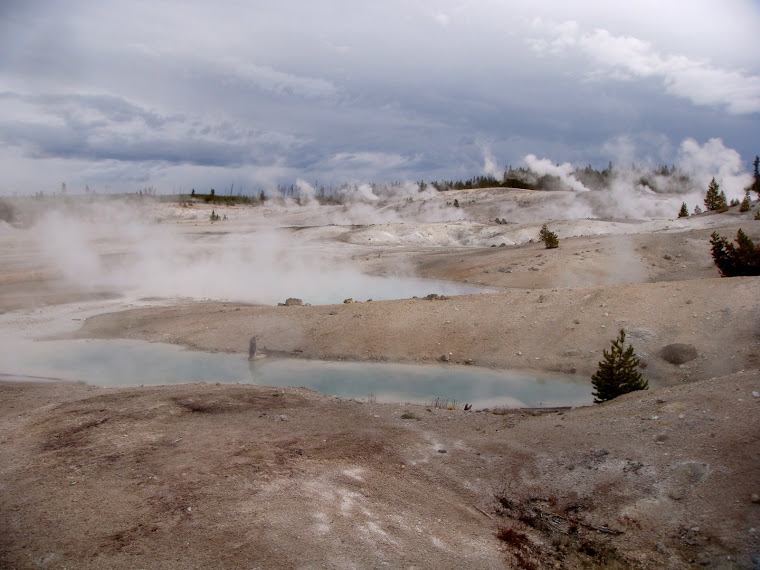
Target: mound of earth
{"x": 209, "y": 476}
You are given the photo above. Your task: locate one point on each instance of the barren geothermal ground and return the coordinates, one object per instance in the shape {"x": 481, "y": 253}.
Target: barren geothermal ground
{"x": 236, "y": 475}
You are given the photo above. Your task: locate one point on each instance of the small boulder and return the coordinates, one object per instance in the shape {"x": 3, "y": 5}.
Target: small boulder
{"x": 678, "y": 353}
{"x": 293, "y": 302}
{"x": 347, "y": 301}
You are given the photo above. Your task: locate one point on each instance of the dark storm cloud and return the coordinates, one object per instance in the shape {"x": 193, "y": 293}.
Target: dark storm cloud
{"x": 356, "y": 91}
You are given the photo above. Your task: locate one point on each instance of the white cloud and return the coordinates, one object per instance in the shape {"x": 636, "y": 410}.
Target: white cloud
{"x": 442, "y": 18}
{"x": 281, "y": 83}
{"x": 335, "y": 91}
{"x": 378, "y": 160}
{"x": 628, "y": 57}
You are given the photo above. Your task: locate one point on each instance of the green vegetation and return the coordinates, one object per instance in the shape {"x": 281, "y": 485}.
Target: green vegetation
{"x": 549, "y": 238}
{"x": 684, "y": 212}
{"x": 715, "y": 199}
{"x": 756, "y": 183}
{"x": 617, "y": 373}
{"x": 746, "y": 202}
{"x": 742, "y": 259}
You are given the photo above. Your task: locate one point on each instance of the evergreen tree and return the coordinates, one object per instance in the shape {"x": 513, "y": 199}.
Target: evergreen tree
{"x": 549, "y": 237}
{"x": 697, "y": 210}
{"x": 746, "y": 202}
{"x": 715, "y": 199}
{"x": 735, "y": 261}
{"x": 756, "y": 183}
{"x": 684, "y": 213}
{"x": 617, "y": 373}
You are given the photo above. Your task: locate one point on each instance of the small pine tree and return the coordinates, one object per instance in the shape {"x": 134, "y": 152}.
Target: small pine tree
{"x": 549, "y": 238}
{"x": 697, "y": 210}
{"x": 715, "y": 199}
{"x": 735, "y": 261}
{"x": 746, "y": 202}
{"x": 617, "y": 373}
{"x": 734, "y": 202}
{"x": 214, "y": 216}
{"x": 684, "y": 213}
{"x": 756, "y": 183}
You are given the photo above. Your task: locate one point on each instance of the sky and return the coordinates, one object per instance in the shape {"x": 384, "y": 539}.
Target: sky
{"x": 243, "y": 95}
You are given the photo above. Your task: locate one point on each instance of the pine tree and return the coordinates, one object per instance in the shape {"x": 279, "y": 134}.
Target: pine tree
{"x": 756, "y": 183}
{"x": 735, "y": 261}
{"x": 715, "y": 199}
{"x": 684, "y": 213}
{"x": 549, "y": 237}
{"x": 697, "y": 210}
{"x": 746, "y": 202}
{"x": 617, "y": 373}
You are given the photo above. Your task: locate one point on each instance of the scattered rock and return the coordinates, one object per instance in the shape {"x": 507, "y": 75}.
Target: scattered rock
{"x": 755, "y": 498}
{"x": 444, "y": 358}
{"x": 667, "y": 257}
{"x": 293, "y": 302}
{"x": 678, "y": 353}
{"x": 282, "y": 418}
{"x": 347, "y": 301}
{"x": 436, "y": 297}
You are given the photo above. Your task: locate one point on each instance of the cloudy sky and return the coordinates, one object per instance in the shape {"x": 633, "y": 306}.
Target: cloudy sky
{"x": 181, "y": 94}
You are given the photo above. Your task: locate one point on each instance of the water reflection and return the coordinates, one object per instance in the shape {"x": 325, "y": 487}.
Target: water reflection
{"x": 420, "y": 384}
{"x": 134, "y": 363}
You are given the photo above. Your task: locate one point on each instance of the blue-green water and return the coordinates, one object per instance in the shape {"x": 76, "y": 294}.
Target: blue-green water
{"x": 134, "y": 363}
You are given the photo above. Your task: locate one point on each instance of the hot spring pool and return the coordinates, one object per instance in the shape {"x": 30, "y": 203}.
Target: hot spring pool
{"x": 134, "y": 363}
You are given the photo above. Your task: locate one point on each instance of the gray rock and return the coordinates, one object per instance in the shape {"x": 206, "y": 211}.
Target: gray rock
{"x": 445, "y": 358}
{"x": 678, "y": 353}
{"x": 293, "y": 302}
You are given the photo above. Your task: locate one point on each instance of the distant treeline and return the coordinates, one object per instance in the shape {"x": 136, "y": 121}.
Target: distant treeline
{"x": 661, "y": 178}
